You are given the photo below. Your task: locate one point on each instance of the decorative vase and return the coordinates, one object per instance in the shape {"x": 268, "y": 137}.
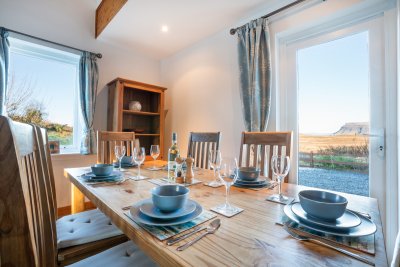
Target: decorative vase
{"x": 135, "y": 106}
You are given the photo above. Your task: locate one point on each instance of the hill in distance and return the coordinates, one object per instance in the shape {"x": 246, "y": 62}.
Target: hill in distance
{"x": 353, "y": 128}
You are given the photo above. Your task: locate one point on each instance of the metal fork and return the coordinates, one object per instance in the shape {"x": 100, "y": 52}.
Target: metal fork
{"x": 316, "y": 241}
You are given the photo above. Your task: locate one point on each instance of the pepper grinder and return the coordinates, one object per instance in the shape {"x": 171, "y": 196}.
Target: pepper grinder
{"x": 189, "y": 170}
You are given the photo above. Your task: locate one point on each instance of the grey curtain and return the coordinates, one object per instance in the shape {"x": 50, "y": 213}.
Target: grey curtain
{"x": 255, "y": 74}
{"x": 4, "y": 59}
{"x": 88, "y": 81}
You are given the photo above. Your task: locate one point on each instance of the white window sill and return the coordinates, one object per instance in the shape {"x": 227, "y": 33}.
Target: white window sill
{"x": 73, "y": 156}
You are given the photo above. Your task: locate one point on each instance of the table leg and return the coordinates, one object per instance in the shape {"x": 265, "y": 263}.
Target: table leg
{"x": 77, "y": 200}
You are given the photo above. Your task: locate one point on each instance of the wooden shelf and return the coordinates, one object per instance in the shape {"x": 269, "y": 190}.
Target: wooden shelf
{"x": 149, "y": 121}
{"x": 141, "y": 113}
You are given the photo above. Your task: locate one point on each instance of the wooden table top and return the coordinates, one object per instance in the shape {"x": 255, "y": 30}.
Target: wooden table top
{"x": 250, "y": 238}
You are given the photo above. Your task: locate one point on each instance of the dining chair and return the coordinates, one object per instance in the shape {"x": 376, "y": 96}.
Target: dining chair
{"x": 27, "y": 214}
{"x": 106, "y": 141}
{"x": 81, "y": 234}
{"x": 396, "y": 253}
{"x": 200, "y": 143}
{"x": 257, "y": 149}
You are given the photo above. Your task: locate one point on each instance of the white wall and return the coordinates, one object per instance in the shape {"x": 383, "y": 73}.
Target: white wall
{"x": 203, "y": 92}
{"x": 71, "y": 22}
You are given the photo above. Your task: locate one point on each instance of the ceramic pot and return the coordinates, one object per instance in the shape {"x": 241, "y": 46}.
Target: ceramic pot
{"x": 135, "y": 106}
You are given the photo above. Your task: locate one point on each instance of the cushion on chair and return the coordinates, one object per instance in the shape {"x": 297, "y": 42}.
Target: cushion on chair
{"x": 125, "y": 254}
{"x": 84, "y": 227}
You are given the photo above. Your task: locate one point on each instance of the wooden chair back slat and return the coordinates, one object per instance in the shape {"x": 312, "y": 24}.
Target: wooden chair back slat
{"x": 258, "y": 148}
{"x": 47, "y": 183}
{"x": 200, "y": 144}
{"x": 28, "y": 237}
{"x": 106, "y": 141}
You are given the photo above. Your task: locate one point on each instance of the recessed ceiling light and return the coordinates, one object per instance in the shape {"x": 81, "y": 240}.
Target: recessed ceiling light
{"x": 164, "y": 28}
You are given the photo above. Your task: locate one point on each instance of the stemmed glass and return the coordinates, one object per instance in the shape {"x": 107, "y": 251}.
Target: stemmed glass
{"x": 214, "y": 159}
{"x": 228, "y": 176}
{"x": 154, "y": 152}
{"x": 280, "y": 167}
{"x": 139, "y": 154}
{"x": 119, "y": 154}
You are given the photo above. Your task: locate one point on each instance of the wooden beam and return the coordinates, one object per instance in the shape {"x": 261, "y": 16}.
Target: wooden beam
{"x": 105, "y": 12}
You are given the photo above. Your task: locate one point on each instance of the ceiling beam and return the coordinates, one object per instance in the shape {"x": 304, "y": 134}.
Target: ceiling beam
{"x": 105, "y": 12}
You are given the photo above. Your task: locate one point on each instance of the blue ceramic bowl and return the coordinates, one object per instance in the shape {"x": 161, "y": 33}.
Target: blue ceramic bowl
{"x": 102, "y": 169}
{"x": 126, "y": 160}
{"x": 322, "y": 204}
{"x": 169, "y": 198}
{"x": 248, "y": 173}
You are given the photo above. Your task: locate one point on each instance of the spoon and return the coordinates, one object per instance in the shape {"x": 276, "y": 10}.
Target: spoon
{"x": 195, "y": 230}
{"x": 212, "y": 228}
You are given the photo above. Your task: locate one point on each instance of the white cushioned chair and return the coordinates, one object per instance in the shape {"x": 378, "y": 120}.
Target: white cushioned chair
{"x": 81, "y": 234}
{"x": 125, "y": 254}
{"x": 84, "y": 227}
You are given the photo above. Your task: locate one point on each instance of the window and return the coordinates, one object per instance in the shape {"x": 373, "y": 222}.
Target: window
{"x": 43, "y": 89}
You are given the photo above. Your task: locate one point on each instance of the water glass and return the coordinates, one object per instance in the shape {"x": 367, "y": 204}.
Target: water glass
{"x": 214, "y": 159}
{"x": 154, "y": 153}
{"x": 228, "y": 175}
{"x": 139, "y": 155}
{"x": 119, "y": 154}
{"x": 280, "y": 167}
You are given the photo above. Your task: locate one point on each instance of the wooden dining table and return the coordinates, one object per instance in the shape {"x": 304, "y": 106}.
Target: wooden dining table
{"x": 250, "y": 238}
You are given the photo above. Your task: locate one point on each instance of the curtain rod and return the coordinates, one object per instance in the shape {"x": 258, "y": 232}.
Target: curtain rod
{"x": 233, "y": 30}
{"x": 98, "y": 55}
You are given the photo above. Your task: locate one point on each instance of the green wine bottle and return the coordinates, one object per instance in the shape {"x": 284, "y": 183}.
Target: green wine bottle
{"x": 173, "y": 152}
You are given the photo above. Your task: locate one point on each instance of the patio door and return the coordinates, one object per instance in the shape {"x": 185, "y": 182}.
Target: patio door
{"x": 335, "y": 102}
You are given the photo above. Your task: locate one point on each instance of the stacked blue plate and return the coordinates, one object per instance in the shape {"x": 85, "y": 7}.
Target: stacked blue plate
{"x": 146, "y": 213}
{"x": 349, "y": 224}
{"x": 259, "y": 183}
{"x": 113, "y": 177}
{"x": 125, "y": 165}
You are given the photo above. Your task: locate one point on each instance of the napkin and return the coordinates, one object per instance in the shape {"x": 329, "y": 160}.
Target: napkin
{"x": 164, "y": 232}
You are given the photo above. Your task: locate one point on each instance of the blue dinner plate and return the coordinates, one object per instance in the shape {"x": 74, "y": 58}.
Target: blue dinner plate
{"x": 366, "y": 227}
{"x": 147, "y": 208}
{"x": 139, "y": 217}
{"x": 114, "y": 174}
{"x": 124, "y": 165}
{"x": 258, "y": 182}
{"x": 244, "y": 185}
{"x": 348, "y": 220}
{"x": 114, "y": 178}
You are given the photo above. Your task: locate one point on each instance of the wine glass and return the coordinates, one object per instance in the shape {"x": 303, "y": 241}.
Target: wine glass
{"x": 139, "y": 154}
{"x": 214, "y": 159}
{"x": 280, "y": 167}
{"x": 228, "y": 175}
{"x": 154, "y": 152}
{"x": 119, "y": 154}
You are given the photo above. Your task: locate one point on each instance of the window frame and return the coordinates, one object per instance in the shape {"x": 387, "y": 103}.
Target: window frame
{"x": 40, "y": 51}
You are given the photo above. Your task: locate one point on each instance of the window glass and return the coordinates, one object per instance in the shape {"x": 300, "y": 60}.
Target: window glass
{"x": 43, "y": 89}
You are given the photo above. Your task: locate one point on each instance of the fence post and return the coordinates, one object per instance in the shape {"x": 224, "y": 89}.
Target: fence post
{"x": 312, "y": 159}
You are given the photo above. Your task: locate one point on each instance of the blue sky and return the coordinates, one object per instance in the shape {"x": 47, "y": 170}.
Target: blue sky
{"x": 53, "y": 83}
{"x": 333, "y": 84}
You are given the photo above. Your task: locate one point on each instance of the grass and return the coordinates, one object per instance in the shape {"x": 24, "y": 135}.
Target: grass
{"x": 65, "y": 137}
{"x": 341, "y": 152}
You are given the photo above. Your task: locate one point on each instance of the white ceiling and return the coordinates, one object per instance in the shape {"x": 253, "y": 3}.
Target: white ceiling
{"x": 138, "y": 24}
